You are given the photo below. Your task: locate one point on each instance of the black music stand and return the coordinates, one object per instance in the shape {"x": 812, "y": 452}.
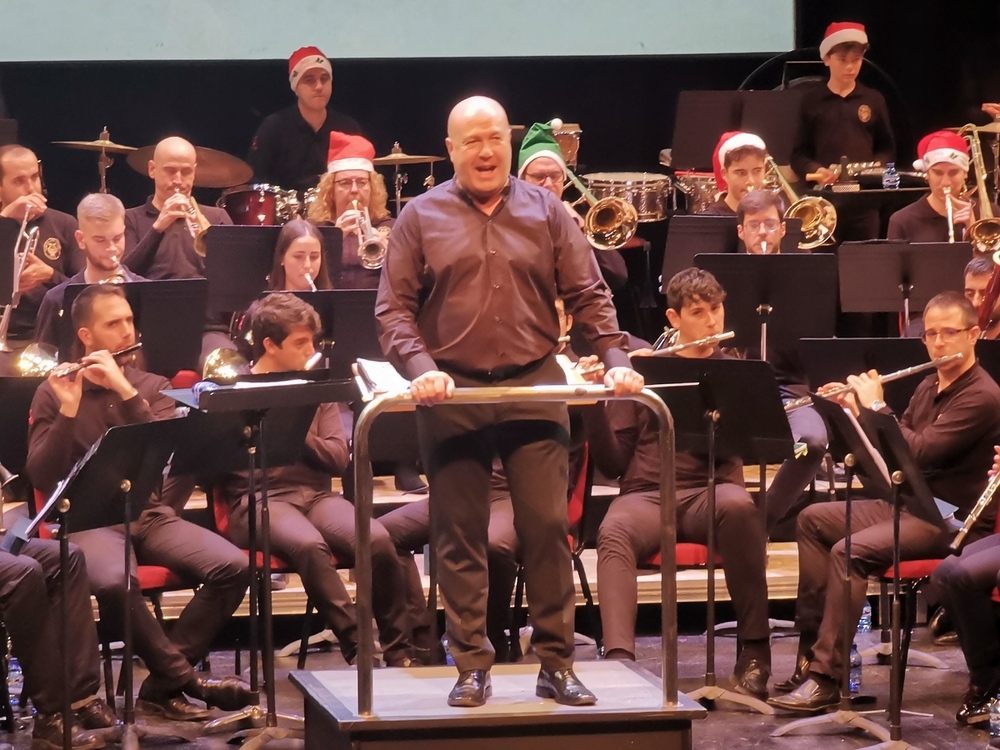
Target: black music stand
{"x": 846, "y": 444}
{"x": 734, "y": 394}
{"x": 895, "y": 276}
{"x": 8, "y": 240}
{"x": 110, "y": 485}
{"x": 250, "y": 410}
{"x": 784, "y": 297}
{"x": 169, "y": 313}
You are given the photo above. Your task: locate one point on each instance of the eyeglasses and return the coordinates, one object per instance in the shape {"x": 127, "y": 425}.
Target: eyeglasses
{"x": 540, "y": 178}
{"x": 361, "y": 182}
{"x": 769, "y": 224}
{"x": 946, "y": 334}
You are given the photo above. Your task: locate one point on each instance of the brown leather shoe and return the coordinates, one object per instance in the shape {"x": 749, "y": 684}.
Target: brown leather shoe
{"x": 812, "y": 696}
{"x": 47, "y": 734}
{"x": 800, "y": 675}
{"x": 750, "y": 677}
{"x": 229, "y": 693}
{"x": 472, "y": 689}
{"x": 96, "y": 714}
{"x": 563, "y": 686}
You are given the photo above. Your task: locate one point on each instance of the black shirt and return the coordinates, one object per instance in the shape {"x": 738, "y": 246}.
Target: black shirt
{"x": 830, "y": 126}
{"x": 919, "y": 222}
{"x": 719, "y": 208}
{"x": 164, "y": 255}
{"x": 287, "y": 152}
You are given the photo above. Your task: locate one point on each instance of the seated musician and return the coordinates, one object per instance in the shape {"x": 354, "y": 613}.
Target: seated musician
{"x": 289, "y": 148}
{"x": 158, "y": 235}
{"x": 841, "y": 117}
{"x": 951, "y": 426}
{"x": 350, "y": 186}
{"x": 978, "y": 273}
{"x": 944, "y": 157}
{"x": 540, "y": 162}
{"x": 739, "y": 166}
{"x": 623, "y": 442}
{"x": 299, "y": 261}
{"x": 68, "y": 415}
{"x": 55, "y": 257}
{"x": 101, "y": 237}
{"x": 311, "y": 524}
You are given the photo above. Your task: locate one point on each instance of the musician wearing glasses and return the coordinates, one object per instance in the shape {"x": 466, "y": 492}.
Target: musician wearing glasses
{"x": 55, "y": 257}
{"x": 739, "y": 166}
{"x": 289, "y": 148}
{"x": 978, "y": 273}
{"x": 68, "y": 415}
{"x": 101, "y": 238}
{"x": 353, "y": 197}
{"x": 951, "y": 425}
{"x": 623, "y": 438}
{"x": 759, "y": 222}
{"x": 467, "y": 298}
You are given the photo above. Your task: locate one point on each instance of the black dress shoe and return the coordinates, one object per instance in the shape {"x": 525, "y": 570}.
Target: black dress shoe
{"x": 563, "y": 687}
{"x": 96, "y": 714}
{"x": 229, "y": 693}
{"x": 940, "y": 623}
{"x": 472, "y": 689}
{"x": 812, "y": 696}
{"x": 750, "y": 678}
{"x": 976, "y": 705}
{"x": 47, "y": 734}
{"x": 172, "y": 707}
{"x": 800, "y": 675}
{"x": 407, "y": 479}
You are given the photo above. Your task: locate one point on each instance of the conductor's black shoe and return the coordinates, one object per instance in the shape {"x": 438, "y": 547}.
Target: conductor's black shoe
{"x": 229, "y": 693}
{"x": 472, "y": 689}
{"x": 563, "y": 687}
{"x": 976, "y": 705}
{"x": 800, "y": 675}
{"x": 812, "y": 696}
{"x": 750, "y": 678}
{"x": 96, "y": 714}
{"x": 47, "y": 734}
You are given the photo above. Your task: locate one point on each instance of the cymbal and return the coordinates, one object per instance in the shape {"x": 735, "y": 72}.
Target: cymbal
{"x": 216, "y": 169}
{"x": 107, "y": 146}
{"x": 393, "y": 160}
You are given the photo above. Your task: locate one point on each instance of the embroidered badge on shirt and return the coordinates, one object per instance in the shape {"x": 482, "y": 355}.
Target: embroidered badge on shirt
{"x": 864, "y": 113}
{"x": 52, "y": 248}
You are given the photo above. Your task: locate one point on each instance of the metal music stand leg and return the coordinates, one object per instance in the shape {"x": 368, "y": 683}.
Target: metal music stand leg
{"x": 711, "y": 691}
{"x": 844, "y": 714}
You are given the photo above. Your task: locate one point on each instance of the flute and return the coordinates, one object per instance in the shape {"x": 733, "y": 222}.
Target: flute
{"x": 80, "y": 366}
{"x": 905, "y": 373}
{"x": 692, "y": 344}
{"x": 977, "y": 510}
{"x": 310, "y": 282}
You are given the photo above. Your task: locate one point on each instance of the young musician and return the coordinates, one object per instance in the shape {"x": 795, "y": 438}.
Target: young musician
{"x": 623, "y": 438}
{"x": 55, "y": 257}
{"x": 349, "y": 188}
{"x": 951, "y": 426}
{"x": 843, "y": 118}
{"x": 299, "y": 261}
{"x": 739, "y": 164}
{"x": 68, "y": 415}
{"x": 759, "y": 222}
{"x": 289, "y": 148}
{"x": 101, "y": 237}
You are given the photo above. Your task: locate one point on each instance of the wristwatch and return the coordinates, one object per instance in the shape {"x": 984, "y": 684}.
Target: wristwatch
{"x": 878, "y": 405}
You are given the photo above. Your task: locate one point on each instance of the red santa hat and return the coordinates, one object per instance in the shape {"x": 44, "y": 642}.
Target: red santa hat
{"x": 731, "y": 141}
{"x": 302, "y": 60}
{"x": 349, "y": 152}
{"x": 842, "y": 32}
{"x": 942, "y": 146}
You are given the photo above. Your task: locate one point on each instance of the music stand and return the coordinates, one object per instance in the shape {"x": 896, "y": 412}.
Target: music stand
{"x": 110, "y": 485}
{"x": 170, "y": 314}
{"x": 785, "y": 297}
{"x": 255, "y": 407}
{"x": 734, "y": 394}
{"x": 9, "y": 230}
{"x": 893, "y": 276}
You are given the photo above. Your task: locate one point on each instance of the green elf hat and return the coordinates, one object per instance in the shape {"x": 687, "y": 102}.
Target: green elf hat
{"x": 539, "y": 141}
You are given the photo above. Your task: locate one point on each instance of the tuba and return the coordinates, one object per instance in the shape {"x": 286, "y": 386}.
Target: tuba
{"x": 371, "y": 244}
{"x": 984, "y": 234}
{"x": 610, "y": 222}
{"x": 818, "y": 216}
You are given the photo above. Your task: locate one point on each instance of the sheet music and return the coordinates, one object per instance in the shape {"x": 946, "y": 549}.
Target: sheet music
{"x": 381, "y": 377}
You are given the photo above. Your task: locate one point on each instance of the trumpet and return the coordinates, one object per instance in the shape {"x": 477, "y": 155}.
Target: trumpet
{"x": 610, "y": 222}
{"x": 819, "y": 217}
{"x": 371, "y": 244}
{"x": 950, "y": 212}
{"x": 26, "y": 245}
{"x": 977, "y": 510}
{"x": 310, "y": 282}
{"x": 708, "y": 340}
{"x": 898, "y": 375}
{"x": 197, "y": 224}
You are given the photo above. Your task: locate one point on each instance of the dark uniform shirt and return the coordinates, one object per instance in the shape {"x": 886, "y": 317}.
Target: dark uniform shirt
{"x": 164, "y": 255}
{"x": 287, "y": 152}
{"x": 919, "y": 222}
{"x": 475, "y": 294}
{"x": 58, "y": 249}
{"x": 830, "y": 126}
{"x": 719, "y": 208}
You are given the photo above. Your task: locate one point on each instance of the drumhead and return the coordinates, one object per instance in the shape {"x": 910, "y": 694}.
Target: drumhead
{"x": 619, "y": 178}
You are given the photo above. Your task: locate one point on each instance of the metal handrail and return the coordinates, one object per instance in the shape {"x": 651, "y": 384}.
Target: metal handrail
{"x": 397, "y": 402}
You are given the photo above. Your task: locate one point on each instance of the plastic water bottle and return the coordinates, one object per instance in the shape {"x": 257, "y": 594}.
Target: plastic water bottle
{"x": 995, "y": 722}
{"x": 865, "y": 623}
{"x": 854, "y": 678}
{"x": 449, "y": 659}
{"x": 15, "y": 682}
{"x": 890, "y": 178}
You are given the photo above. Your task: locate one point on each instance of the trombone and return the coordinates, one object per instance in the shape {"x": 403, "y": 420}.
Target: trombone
{"x": 610, "y": 222}
{"x": 371, "y": 244}
{"x": 984, "y": 234}
{"x": 818, "y": 216}
{"x": 26, "y": 244}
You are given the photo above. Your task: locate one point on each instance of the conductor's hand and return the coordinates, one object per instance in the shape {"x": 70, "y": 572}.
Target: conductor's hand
{"x": 867, "y": 387}
{"x": 68, "y": 390}
{"x": 623, "y": 380}
{"x": 432, "y": 387}
{"x": 825, "y": 176}
{"x": 847, "y": 400}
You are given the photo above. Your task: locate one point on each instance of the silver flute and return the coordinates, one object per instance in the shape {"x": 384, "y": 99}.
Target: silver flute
{"x": 715, "y": 339}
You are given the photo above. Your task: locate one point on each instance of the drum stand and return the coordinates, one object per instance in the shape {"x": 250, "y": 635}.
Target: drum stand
{"x": 399, "y": 179}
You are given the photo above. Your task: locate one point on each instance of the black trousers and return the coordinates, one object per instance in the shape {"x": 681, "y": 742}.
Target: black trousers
{"x": 458, "y": 443}
{"x": 30, "y": 600}
{"x": 160, "y": 537}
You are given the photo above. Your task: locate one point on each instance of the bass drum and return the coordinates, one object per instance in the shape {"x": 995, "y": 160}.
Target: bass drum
{"x": 647, "y": 192}
{"x": 259, "y": 204}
